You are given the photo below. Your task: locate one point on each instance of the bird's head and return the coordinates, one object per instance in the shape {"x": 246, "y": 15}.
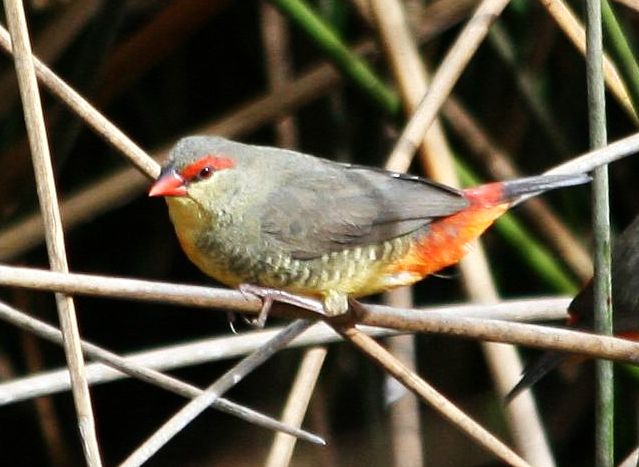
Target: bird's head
{"x": 198, "y": 169}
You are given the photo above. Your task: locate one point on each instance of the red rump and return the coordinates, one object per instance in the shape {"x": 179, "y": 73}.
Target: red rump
{"x": 489, "y": 194}
{"x": 215, "y": 162}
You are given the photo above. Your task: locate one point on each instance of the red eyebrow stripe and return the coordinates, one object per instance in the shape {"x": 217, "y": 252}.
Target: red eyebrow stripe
{"x": 216, "y": 162}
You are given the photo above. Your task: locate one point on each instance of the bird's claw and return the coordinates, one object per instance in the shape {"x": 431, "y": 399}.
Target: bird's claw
{"x": 266, "y": 295}
{"x": 231, "y": 318}
{"x": 270, "y": 295}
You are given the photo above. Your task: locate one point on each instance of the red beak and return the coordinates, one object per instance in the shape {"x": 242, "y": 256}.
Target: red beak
{"x": 169, "y": 184}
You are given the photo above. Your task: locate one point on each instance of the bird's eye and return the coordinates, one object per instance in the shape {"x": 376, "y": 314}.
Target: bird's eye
{"x": 206, "y": 172}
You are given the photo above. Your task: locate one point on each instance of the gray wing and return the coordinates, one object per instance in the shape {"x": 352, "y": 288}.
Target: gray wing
{"x": 321, "y": 211}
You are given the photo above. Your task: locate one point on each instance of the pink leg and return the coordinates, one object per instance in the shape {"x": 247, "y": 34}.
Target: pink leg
{"x": 271, "y": 295}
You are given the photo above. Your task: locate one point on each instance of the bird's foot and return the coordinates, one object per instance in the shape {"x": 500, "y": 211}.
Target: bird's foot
{"x": 231, "y": 318}
{"x": 271, "y": 295}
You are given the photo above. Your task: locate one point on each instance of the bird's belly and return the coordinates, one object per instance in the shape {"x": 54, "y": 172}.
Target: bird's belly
{"x": 355, "y": 271}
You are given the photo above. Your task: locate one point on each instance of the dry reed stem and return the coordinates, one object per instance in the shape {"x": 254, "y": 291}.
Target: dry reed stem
{"x": 412, "y": 79}
{"x": 54, "y": 381}
{"x": 530, "y": 335}
{"x": 574, "y": 30}
{"x": 173, "y": 356}
{"x": 139, "y": 364}
{"x": 444, "y": 79}
{"x": 281, "y": 451}
{"x": 503, "y": 361}
{"x": 50, "y": 425}
{"x": 229, "y": 379}
{"x": 632, "y": 460}
{"x": 168, "y": 292}
{"x": 404, "y": 413}
{"x": 634, "y": 4}
{"x": 278, "y": 63}
{"x": 276, "y": 41}
{"x": 377, "y": 315}
{"x": 430, "y": 395}
{"x": 45, "y": 183}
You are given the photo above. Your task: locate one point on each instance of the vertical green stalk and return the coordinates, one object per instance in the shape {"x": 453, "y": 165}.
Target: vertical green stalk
{"x": 619, "y": 48}
{"x": 345, "y": 59}
{"x": 604, "y": 434}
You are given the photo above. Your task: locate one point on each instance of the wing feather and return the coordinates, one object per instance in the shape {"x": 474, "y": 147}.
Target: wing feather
{"x": 326, "y": 210}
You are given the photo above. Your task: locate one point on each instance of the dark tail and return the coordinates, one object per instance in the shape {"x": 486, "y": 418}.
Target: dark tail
{"x": 534, "y": 371}
{"x": 524, "y": 186}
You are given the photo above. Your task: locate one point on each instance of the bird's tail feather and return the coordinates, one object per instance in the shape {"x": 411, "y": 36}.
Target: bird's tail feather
{"x": 534, "y": 371}
{"x": 524, "y": 186}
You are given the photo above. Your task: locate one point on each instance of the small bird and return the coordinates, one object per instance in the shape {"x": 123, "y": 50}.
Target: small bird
{"x": 281, "y": 219}
{"x": 625, "y": 304}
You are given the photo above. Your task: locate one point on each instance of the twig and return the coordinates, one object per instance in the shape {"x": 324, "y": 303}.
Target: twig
{"x": 41, "y": 157}
{"x": 191, "y": 295}
{"x": 597, "y": 157}
{"x": 427, "y": 393}
{"x": 444, "y": 79}
{"x": 377, "y": 315}
{"x": 404, "y": 413}
{"x": 214, "y": 349}
{"x": 412, "y": 80}
{"x": 277, "y": 53}
{"x": 573, "y": 29}
{"x": 503, "y": 361}
{"x": 135, "y": 289}
{"x": 529, "y": 335}
{"x": 632, "y": 459}
{"x": 119, "y": 366}
{"x": 634, "y": 4}
{"x": 298, "y": 399}
{"x": 229, "y": 379}
{"x": 275, "y": 37}
{"x": 602, "y": 289}
{"x": 57, "y": 449}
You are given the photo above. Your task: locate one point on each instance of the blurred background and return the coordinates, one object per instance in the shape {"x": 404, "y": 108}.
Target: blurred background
{"x": 244, "y": 69}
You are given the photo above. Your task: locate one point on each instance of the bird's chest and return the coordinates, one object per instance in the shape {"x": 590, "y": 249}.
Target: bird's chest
{"x": 217, "y": 242}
